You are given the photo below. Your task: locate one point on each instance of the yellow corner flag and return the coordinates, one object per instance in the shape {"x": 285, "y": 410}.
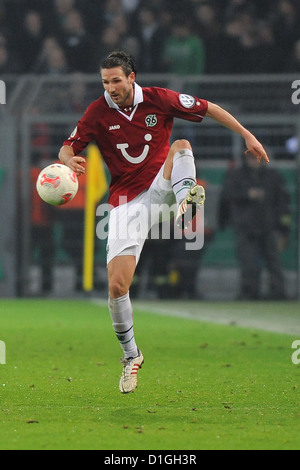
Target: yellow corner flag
{"x": 96, "y": 187}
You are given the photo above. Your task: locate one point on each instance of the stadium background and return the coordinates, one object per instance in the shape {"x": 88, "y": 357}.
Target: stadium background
{"x": 244, "y": 56}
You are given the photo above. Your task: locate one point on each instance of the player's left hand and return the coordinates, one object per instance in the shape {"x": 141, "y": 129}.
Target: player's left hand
{"x": 255, "y": 148}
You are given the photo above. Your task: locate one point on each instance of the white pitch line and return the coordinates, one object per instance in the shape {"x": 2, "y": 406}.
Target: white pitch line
{"x": 245, "y": 317}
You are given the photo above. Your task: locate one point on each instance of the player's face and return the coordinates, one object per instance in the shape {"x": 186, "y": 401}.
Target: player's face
{"x": 118, "y": 86}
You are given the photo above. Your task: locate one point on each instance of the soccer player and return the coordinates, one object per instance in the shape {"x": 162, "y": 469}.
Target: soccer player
{"x": 132, "y": 126}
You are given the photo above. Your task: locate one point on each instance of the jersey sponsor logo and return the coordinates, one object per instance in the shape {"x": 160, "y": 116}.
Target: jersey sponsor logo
{"x": 151, "y": 120}
{"x": 114, "y": 128}
{"x": 187, "y": 101}
{"x": 140, "y": 158}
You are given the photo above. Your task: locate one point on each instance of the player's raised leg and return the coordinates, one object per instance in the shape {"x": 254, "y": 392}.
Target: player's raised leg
{"x": 120, "y": 273}
{"x": 180, "y": 169}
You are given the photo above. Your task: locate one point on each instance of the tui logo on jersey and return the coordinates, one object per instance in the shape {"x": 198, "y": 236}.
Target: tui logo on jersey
{"x": 187, "y": 101}
{"x": 141, "y": 157}
{"x": 151, "y": 120}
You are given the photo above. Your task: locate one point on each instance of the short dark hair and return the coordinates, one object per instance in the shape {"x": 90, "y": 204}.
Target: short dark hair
{"x": 119, "y": 59}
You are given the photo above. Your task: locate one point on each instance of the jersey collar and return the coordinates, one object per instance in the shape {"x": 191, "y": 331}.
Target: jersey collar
{"x": 138, "y": 97}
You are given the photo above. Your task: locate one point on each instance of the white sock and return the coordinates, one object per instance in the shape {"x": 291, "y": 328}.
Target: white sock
{"x": 183, "y": 174}
{"x": 122, "y": 316}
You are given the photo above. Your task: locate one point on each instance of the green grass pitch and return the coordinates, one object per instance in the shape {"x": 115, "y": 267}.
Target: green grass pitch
{"x": 203, "y": 385}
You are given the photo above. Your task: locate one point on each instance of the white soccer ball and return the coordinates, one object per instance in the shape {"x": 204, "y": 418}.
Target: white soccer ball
{"x": 57, "y": 184}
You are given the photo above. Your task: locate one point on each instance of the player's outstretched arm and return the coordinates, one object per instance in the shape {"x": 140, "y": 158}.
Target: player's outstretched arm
{"x": 68, "y": 158}
{"x": 226, "y": 119}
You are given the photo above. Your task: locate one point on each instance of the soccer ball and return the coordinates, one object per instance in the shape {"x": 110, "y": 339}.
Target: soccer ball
{"x": 57, "y": 184}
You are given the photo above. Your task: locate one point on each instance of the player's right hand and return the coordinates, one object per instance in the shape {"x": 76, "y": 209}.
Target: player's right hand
{"x": 75, "y": 163}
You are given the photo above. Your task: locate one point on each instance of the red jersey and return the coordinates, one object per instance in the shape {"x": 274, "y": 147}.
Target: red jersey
{"x": 134, "y": 142}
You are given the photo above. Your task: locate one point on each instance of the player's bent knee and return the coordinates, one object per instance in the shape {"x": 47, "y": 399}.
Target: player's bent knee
{"x": 177, "y": 146}
{"x": 181, "y": 144}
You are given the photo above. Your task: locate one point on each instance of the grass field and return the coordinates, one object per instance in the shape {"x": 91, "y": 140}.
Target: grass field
{"x": 203, "y": 385}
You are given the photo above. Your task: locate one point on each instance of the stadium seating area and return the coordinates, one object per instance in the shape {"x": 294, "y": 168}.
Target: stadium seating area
{"x": 190, "y": 37}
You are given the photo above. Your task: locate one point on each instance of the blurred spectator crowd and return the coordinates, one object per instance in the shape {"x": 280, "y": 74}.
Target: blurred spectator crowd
{"x": 171, "y": 36}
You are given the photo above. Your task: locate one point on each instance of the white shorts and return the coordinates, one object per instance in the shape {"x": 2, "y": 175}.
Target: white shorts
{"x": 130, "y": 223}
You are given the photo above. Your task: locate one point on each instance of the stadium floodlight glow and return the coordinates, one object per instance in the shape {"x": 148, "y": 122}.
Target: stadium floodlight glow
{"x": 2, "y": 92}
{"x": 2, "y": 353}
